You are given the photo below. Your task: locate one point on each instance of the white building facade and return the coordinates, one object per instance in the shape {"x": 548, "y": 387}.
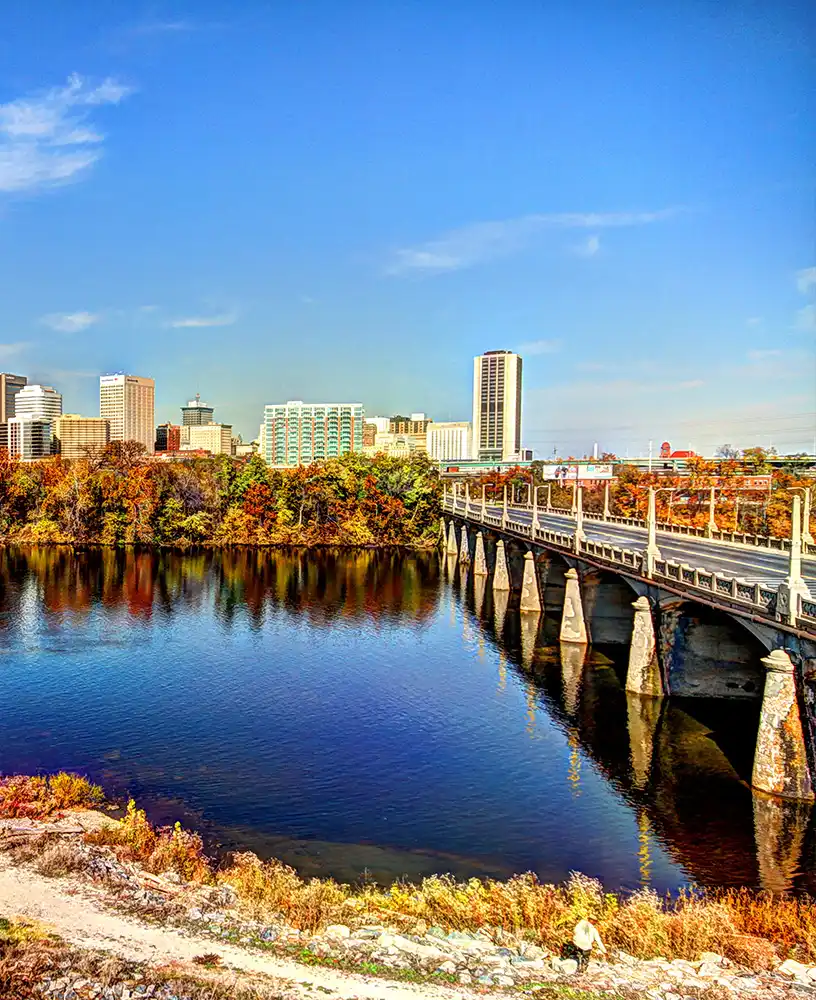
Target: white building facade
{"x": 212, "y": 437}
{"x": 449, "y": 441}
{"x": 497, "y": 406}
{"x": 297, "y": 433}
{"x": 40, "y": 401}
{"x": 127, "y": 401}
{"x": 29, "y": 438}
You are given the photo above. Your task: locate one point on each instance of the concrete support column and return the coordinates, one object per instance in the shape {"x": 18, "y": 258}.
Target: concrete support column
{"x": 651, "y": 552}
{"x": 479, "y": 559}
{"x": 452, "y": 548}
{"x": 711, "y": 527}
{"x": 606, "y": 509}
{"x": 643, "y": 676}
{"x": 780, "y": 759}
{"x": 530, "y": 598}
{"x": 442, "y": 537}
{"x": 573, "y": 627}
{"x": 501, "y": 575}
{"x": 793, "y": 586}
{"x": 579, "y": 535}
{"x": 464, "y": 546}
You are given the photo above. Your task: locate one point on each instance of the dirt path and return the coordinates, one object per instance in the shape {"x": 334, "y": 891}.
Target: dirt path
{"x": 72, "y": 910}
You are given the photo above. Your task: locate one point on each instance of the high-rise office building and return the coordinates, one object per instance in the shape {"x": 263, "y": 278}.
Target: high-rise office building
{"x": 297, "y": 433}
{"x": 448, "y": 440}
{"x": 29, "y": 438}
{"x": 40, "y": 401}
{"x": 497, "y": 406}
{"x": 76, "y": 436}
{"x": 196, "y": 412}
{"x": 127, "y": 402}
{"x": 10, "y": 385}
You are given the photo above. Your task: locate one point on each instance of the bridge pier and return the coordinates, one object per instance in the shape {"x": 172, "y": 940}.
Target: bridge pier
{"x": 573, "y": 627}
{"x": 643, "y": 675}
{"x": 780, "y": 761}
{"x": 530, "y": 598}
{"x": 464, "y": 547}
{"x": 452, "y": 548}
{"x": 479, "y": 558}
{"x": 501, "y": 574}
{"x": 442, "y": 536}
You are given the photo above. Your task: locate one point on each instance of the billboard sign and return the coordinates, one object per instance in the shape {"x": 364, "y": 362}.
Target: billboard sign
{"x": 582, "y": 472}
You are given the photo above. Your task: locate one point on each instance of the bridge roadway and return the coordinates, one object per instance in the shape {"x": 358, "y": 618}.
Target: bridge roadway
{"x": 754, "y": 565}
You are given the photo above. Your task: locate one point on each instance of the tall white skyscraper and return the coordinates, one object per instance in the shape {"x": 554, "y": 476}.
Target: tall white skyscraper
{"x": 497, "y": 406}
{"x": 127, "y": 402}
{"x": 39, "y": 401}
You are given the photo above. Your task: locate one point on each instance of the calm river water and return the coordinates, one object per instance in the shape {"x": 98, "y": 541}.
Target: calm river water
{"x": 367, "y": 713}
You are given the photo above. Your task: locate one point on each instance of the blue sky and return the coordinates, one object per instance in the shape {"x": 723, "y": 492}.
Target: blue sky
{"x": 322, "y": 201}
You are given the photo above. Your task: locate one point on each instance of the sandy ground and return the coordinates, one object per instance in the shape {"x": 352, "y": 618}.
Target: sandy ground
{"x": 75, "y": 912}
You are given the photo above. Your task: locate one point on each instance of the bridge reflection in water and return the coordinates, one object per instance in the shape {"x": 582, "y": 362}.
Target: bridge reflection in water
{"x": 682, "y": 764}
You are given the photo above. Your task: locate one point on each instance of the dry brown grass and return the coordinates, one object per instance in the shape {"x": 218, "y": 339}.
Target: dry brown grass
{"x": 61, "y": 858}
{"x": 752, "y": 928}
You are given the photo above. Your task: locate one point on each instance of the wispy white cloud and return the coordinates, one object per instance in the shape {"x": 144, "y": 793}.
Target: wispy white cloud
{"x": 806, "y": 279}
{"x": 589, "y": 247}
{"x": 692, "y": 383}
{"x": 461, "y": 248}
{"x": 754, "y": 321}
{"x": 161, "y": 27}
{"x": 70, "y": 322}
{"x": 225, "y": 319}
{"x": 539, "y": 347}
{"x": 763, "y": 353}
{"x": 11, "y": 350}
{"x": 806, "y": 319}
{"x": 46, "y": 140}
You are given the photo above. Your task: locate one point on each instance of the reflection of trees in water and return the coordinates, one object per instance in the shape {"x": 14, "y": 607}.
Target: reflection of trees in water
{"x": 681, "y": 764}
{"x": 321, "y": 585}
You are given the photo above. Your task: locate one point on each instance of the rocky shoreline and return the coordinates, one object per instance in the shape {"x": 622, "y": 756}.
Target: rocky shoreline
{"x": 469, "y": 963}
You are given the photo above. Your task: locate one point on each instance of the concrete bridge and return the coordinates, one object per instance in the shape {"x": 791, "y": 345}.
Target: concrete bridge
{"x": 703, "y": 616}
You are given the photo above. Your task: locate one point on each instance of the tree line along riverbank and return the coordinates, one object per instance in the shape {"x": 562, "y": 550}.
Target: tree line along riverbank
{"x": 117, "y": 497}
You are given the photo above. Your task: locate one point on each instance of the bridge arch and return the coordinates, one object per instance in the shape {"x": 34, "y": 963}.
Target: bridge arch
{"x": 708, "y": 653}
{"x": 608, "y": 610}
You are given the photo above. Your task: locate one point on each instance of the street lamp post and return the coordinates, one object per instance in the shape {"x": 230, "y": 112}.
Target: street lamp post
{"x": 651, "y": 552}
{"x": 793, "y": 587}
{"x": 579, "y": 518}
{"x": 504, "y": 508}
{"x": 606, "y": 501}
{"x": 711, "y": 527}
{"x": 807, "y": 538}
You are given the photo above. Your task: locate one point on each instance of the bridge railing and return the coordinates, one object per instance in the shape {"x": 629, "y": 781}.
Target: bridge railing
{"x": 734, "y": 591}
{"x": 728, "y": 537}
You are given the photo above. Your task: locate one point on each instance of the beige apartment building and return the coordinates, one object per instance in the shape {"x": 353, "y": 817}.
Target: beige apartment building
{"x": 78, "y": 436}
{"x": 215, "y": 438}
{"x": 127, "y": 402}
{"x": 496, "y": 407}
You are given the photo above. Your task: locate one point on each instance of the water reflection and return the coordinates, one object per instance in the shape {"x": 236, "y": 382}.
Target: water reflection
{"x": 331, "y": 707}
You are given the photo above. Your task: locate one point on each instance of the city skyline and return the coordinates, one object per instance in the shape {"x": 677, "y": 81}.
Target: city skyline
{"x": 623, "y": 201}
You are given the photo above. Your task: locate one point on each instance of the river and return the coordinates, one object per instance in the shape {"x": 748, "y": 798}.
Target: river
{"x": 370, "y": 715}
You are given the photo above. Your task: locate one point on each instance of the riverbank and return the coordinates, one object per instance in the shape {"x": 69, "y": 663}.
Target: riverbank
{"x": 128, "y": 888}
